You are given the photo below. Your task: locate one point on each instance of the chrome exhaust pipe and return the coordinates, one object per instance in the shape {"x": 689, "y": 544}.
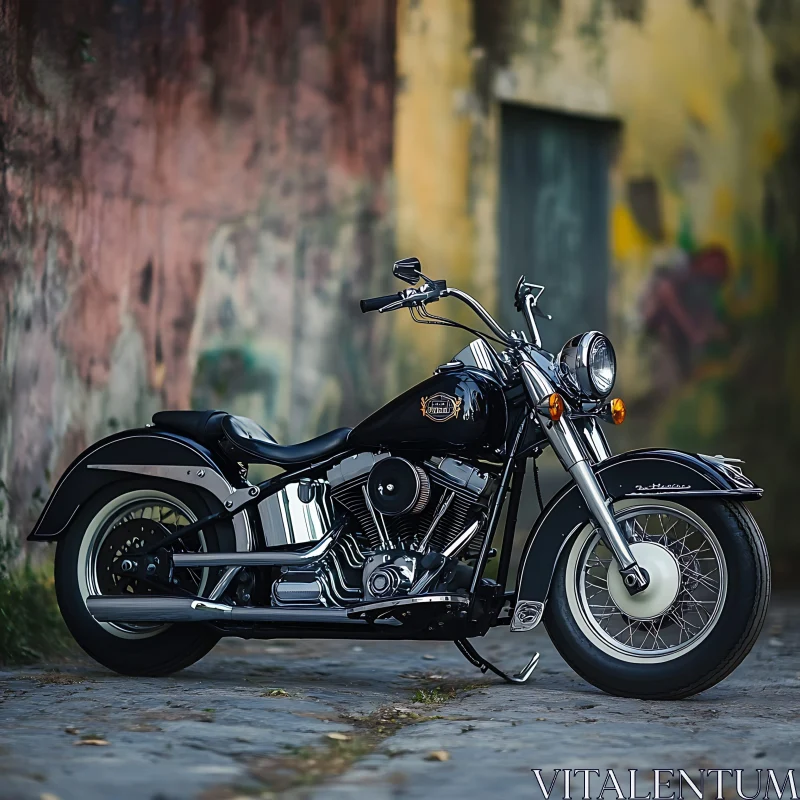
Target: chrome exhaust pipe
{"x": 275, "y": 558}
{"x": 189, "y": 609}
{"x": 154, "y": 609}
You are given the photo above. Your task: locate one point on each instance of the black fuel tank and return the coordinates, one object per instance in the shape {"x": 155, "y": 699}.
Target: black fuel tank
{"x": 458, "y": 411}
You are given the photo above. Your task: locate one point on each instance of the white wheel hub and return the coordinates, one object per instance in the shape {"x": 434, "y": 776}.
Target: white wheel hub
{"x": 665, "y": 582}
{"x": 685, "y": 597}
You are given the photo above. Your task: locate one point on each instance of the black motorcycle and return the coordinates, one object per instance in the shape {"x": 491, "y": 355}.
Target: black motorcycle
{"x": 649, "y": 572}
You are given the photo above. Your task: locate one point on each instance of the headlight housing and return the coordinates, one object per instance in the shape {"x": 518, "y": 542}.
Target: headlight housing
{"x": 588, "y": 365}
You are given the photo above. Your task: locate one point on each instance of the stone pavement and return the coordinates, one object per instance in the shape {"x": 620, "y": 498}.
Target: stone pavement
{"x": 252, "y": 713}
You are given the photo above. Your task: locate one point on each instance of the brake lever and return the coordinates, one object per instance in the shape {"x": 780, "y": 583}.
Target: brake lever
{"x": 539, "y": 313}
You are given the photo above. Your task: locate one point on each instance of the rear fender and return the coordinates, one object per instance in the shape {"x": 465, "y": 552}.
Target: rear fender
{"x": 156, "y": 452}
{"x": 638, "y": 473}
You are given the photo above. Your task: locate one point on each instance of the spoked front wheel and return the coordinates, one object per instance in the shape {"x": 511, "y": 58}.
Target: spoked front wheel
{"x": 696, "y": 621}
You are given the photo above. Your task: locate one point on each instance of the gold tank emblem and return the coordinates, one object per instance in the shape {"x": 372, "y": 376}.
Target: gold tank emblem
{"x": 440, "y": 407}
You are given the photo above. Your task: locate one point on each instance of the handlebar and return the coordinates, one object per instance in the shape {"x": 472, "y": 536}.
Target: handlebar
{"x": 487, "y": 318}
{"x": 429, "y": 293}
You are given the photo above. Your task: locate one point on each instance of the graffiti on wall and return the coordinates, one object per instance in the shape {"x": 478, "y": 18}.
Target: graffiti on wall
{"x": 682, "y": 312}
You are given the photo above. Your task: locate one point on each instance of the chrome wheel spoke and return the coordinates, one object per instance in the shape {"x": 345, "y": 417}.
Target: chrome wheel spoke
{"x": 700, "y": 591}
{"x": 160, "y": 515}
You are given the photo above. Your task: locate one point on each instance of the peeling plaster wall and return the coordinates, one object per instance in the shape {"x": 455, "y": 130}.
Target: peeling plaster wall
{"x": 704, "y": 220}
{"x": 193, "y": 197}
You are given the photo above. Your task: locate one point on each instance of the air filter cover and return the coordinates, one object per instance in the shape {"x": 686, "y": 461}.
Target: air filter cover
{"x": 396, "y": 486}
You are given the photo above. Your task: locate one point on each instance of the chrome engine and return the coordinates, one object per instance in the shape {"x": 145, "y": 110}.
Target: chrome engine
{"x": 401, "y": 510}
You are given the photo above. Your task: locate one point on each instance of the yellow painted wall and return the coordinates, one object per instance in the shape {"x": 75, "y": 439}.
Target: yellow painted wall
{"x": 702, "y": 91}
{"x": 432, "y": 161}
{"x": 684, "y": 83}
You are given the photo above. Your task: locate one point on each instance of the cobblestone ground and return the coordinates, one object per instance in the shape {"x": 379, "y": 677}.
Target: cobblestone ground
{"x": 409, "y": 720}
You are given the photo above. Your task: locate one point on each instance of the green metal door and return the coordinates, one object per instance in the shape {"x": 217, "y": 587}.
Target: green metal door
{"x": 554, "y": 217}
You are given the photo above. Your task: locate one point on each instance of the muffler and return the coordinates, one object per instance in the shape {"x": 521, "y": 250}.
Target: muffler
{"x": 189, "y": 609}
{"x": 192, "y": 609}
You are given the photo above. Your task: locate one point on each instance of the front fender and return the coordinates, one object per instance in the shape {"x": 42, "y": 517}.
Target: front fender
{"x": 638, "y": 473}
{"x": 139, "y": 446}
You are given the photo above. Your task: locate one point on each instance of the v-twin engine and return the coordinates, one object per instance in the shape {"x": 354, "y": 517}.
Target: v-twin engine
{"x": 436, "y": 507}
{"x": 402, "y": 511}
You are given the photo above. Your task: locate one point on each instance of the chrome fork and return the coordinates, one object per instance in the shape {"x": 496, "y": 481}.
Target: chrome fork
{"x": 567, "y": 446}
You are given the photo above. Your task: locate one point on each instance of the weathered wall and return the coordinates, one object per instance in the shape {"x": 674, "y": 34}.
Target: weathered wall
{"x": 704, "y": 221}
{"x": 193, "y": 197}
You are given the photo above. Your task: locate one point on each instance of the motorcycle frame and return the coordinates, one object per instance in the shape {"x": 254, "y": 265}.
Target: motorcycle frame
{"x": 598, "y": 480}
{"x": 480, "y": 615}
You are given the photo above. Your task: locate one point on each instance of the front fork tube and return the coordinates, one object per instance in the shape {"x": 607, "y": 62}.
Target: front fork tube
{"x": 634, "y": 577}
{"x": 564, "y": 441}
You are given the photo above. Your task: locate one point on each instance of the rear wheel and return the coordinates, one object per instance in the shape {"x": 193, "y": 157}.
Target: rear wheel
{"x": 118, "y": 520}
{"x": 692, "y": 626}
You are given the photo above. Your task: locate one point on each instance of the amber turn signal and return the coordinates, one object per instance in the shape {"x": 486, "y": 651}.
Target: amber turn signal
{"x": 617, "y": 410}
{"x": 555, "y": 407}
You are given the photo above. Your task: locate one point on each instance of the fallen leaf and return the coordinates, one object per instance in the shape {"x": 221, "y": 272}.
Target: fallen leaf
{"x": 72, "y": 731}
{"x": 275, "y": 693}
{"x": 339, "y": 737}
{"x": 93, "y": 742}
{"x": 438, "y": 755}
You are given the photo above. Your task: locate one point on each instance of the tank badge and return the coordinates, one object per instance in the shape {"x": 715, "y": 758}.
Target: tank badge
{"x": 441, "y": 407}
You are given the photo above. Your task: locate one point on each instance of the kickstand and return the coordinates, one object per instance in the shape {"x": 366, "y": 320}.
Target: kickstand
{"x": 475, "y": 658}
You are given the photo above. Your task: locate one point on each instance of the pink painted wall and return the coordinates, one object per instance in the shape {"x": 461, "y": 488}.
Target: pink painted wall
{"x": 193, "y": 197}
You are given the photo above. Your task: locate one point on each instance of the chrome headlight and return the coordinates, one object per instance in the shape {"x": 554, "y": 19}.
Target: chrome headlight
{"x": 588, "y": 365}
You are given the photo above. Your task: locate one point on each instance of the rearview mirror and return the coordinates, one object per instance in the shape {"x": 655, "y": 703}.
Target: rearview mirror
{"x": 407, "y": 269}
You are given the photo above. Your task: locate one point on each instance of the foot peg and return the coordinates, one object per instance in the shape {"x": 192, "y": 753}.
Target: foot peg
{"x": 475, "y": 658}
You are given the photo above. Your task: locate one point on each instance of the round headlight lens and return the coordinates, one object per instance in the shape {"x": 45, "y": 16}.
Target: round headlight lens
{"x": 588, "y": 365}
{"x": 602, "y": 365}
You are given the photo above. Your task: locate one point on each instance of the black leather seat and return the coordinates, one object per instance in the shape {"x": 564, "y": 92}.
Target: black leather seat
{"x": 202, "y": 426}
{"x": 245, "y": 440}
{"x": 257, "y": 450}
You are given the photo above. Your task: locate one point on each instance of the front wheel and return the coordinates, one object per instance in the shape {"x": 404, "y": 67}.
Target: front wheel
{"x": 696, "y": 621}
